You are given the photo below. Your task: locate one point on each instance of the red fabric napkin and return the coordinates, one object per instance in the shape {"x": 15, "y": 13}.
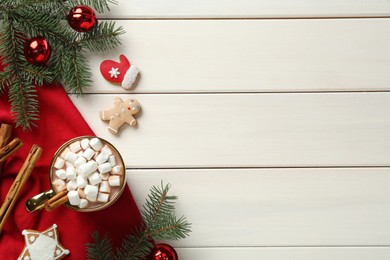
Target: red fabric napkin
{"x": 59, "y": 122}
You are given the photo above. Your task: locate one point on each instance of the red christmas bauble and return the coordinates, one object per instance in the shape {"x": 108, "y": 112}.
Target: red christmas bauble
{"x": 163, "y": 252}
{"x": 81, "y": 18}
{"x": 37, "y": 50}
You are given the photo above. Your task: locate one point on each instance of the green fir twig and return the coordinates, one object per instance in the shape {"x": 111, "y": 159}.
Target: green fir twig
{"x": 158, "y": 223}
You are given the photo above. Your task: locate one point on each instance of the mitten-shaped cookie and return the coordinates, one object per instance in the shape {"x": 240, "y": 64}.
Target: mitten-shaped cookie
{"x": 121, "y": 72}
{"x": 122, "y": 112}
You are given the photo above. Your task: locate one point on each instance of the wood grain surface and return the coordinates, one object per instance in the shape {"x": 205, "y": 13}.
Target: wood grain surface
{"x": 269, "y": 118}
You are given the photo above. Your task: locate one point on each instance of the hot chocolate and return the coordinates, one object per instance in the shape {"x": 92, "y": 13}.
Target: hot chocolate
{"x": 91, "y": 170}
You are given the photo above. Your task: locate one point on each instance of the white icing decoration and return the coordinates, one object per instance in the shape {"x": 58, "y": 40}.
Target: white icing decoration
{"x": 40, "y": 246}
{"x": 114, "y": 72}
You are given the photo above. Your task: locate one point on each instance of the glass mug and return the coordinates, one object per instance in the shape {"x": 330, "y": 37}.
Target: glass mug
{"x": 38, "y": 202}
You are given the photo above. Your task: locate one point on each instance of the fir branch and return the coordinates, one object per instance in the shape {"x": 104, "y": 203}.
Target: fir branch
{"x": 43, "y": 24}
{"x": 37, "y": 74}
{"x": 101, "y": 249}
{"x": 4, "y": 82}
{"x": 22, "y": 95}
{"x": 24, "y": 104}
{"x": 102, "y": 38}
{"x": 135, "y": 246}
{"x": 36, "y": 5}
{"x": 171, "y": 229}
{"x": 76, "y": 75}
{"x": 159, "y": 223}
{"x": 98, "y": 5}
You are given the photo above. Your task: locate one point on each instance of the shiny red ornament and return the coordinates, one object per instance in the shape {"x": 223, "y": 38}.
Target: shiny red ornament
{"x": 81, "y": 18}
{"x": 37, "y": 50}
{"x": 163, "y": 252}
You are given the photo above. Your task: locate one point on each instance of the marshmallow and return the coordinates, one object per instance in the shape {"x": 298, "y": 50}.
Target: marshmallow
{"x": 87, "y": 168}
{"x": 71, "y": 157}
{"x": 104, "y": 187}
{"x": 61, "y": 173}
{"x": 59, "y": 185}
{"x": 102, "y": 197}
{"x": 84, "y": 143}
{"x": 101, "y": 158}
{"x": 106, "y": 150}
{"x": 69, "y": 164}
{"x": 81, "y": 193}
{"x": 64, "y": 152}
{"x": 71, "y": 173}
{"x": 105, "y": 167}
{"x": 59, "y": 163}
{"x": 104, "y": 176}
{"x": 116, "y": 170}
{"x": 81, "y": 181}
{"x": 114, "y": 181}
{"x": 71, "y": 185}
{"x": 83, "y": 204}
{"x": 95, "y": 178}
{"x": 88, "y": 154}
{"x": 112, "y": 160}
{"x": 91, "y": 192}
{"x": 81, "y": 160}
{"x": 75, "y": 147}
{"x": 74, "y": 198}
{"x": 96, "y": 144}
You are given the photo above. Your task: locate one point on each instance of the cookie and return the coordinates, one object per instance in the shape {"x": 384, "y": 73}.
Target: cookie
{"x": 122, "y": 112}
{"x": 42, "y": 245}
{"x": 122, "y": 72}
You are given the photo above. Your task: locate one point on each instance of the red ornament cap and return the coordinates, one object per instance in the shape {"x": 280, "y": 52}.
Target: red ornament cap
{"x": 37, "y": 50}
{"x": 81, "y": 18}
{"x": 121, "y": 72}
{"x": 163, "y": 252}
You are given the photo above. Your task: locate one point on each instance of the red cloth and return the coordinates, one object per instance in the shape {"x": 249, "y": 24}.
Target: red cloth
{"x": 59, "y": 122}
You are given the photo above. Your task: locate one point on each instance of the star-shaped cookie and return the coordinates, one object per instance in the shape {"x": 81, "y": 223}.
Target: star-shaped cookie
{"x": 42, "y": 245}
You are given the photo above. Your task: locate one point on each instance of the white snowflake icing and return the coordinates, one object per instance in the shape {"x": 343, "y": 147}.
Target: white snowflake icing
{"x": 114, "y": 72}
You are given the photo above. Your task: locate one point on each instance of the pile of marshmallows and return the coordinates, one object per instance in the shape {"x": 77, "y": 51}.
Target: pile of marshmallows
{"x": 87, "y": 169}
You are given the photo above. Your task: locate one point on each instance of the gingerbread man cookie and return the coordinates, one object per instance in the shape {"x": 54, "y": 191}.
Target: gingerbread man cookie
{"x": 122, "y": 112}
{"x": 42, "y": 245}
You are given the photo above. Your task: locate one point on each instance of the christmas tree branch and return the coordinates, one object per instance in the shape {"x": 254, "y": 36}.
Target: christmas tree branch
{"x": 76, "y": 73}
{"x": 99, "y": 6}
{"x": 45, "y": 25}
{"x": 101, "y": 249}
{"x": 22, "y": 95}
{"x": 24, "y": 104}
{"x": 101, "y": 38}
{"x": 159, "y": 223}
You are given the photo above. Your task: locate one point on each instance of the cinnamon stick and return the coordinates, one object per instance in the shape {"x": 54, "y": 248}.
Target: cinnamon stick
{"x": 57, "y": 200}
{"x": 5, "y": 135}
{"x": 21, "y": 178}
{"x": 9, "y": 149}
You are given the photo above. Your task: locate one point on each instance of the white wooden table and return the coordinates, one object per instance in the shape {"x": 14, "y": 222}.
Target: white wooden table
{"x": 271, "y": 120}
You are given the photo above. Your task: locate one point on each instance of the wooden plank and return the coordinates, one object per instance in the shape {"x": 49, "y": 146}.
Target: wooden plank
{"x": 250, "y": 130}
{"x": 285, "y": 253}
{"x": 253, "y": 56}
{"x": 277, "y": 207}
{"x": 248, "y": 9}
